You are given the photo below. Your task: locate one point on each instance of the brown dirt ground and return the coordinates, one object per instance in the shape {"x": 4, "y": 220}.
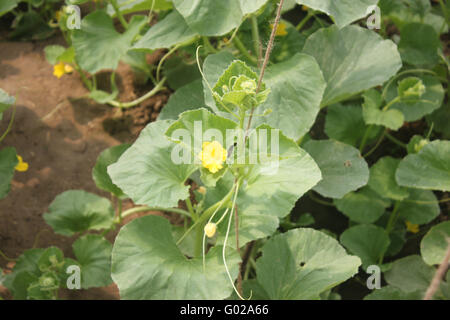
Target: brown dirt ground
{"x": 60, "y": 134}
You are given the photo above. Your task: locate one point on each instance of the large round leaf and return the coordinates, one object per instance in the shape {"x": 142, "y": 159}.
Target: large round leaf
{"x": 146, "y": 264}
{"x": 363, "y": 206}
{"x": 98, "y": 45}
{"x": 420, "y": 207}
{"x": 435, "y": 243}
{"x": 428, "y": 169}
{"x": 343, "y": 169}
{"x": 166, "y": 33}
{"x": 8, "y": 161}
{"x": 303, "y": 263}
{"x": 215, "y": 18}
{"x": 296, "y": 89}
{"x": 343, "y": 12}
{"x": 78, "y": 211}
{"x": 419, "y": 44}
{"x": 99, "y": 172}
{"x": 93, "y": 254}
{"x": 367, "y": 241}
{"x": 410, "y": 274}
{"x": 352, "y": 60}
{"x": 146, "y": 172}
{"x": 382, "y": 179}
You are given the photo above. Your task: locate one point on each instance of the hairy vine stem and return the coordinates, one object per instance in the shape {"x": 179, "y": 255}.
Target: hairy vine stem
{"x": 440, "y": 272}
{"x": 266, "y": 60}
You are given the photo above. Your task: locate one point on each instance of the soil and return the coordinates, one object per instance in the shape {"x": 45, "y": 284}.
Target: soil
{"x": 60, "y": 134}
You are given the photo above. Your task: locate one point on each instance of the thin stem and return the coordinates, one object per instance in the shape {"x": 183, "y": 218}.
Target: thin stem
{"x": 13, "y": 114}
{"x": 208, "y": 45}
{"x": 439, "y": 275}
{"x": 304, "y": 21}
{"x": 243, "y": 50}
{"x": 396, "y": 141}
{"x": 83, "y": 77}
{"x": 236, "y": 232}
{"x": 190, "y": 208}
{"x": 365, "y": 137}
{"x": 145, "y": 208}
{"x": 119, "y": 14}
{"x": 444, "y": 11}
{"x": 119, "y": 210}
{"x": 390, "y": 225}
{"x": 315, "y": 199}
{"x": 256, "y": 39}
{"x": 168, "y": 54}
{"x": 159, "y": 86}
{"x": 266, "y": 59}
{"x": 376, "y": 145}
{"x": 4, "y": 256}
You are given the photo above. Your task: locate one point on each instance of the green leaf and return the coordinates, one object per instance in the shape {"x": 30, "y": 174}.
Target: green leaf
{"x": 343, "y": 12}
{"x": 8, "y": 161}
{"x": 31, "y": 26}
{"x": 296, "y": 89}
{"x": 127, "y": 6}
{"x": 433, "y": 246}
{"x": 420, "y": 207}
{"x": 197, "y": 123}
{"x": 78, "y": 211}
{"x": 352, "y": 60}
{"x": 429, "y": 169}
{"x": 269, "y": 190}
{"x": 302, "y": 263}
{"x": 382, "y": 179}
{"x": 6, "y": 101}
{"x": 146, "y": 264}
{"x": 146, "y": 172}
{"x": 428, "y": 102}
{"x": 393, "y": 293}
{"x": 99, "y": 172}
{"x": 391, "y": 119}
{"x": 367, "y": 241}
{"x": 203, "y": 16}
{"x": 342, "y": 172}
{"x": 98, "y": 45}
{"x": 410, "y": 274}
{"x": 416, "y": 143}
{"x": 166, "y": 33}
{"x": 440, "y": 119}
{"x": 188, "y": 97}
{"x": 345, "y": 123}
{"x": 363, "y": 206}
{"x": 179, "y": 73}
{"x": 93, "y": 253}
{"x": 7, "y": 5}
{"x": 53, "y": 52}
{"x": 419, "y": 44}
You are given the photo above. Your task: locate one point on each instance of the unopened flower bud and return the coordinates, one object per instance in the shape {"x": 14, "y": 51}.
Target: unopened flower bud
{"x": 210, "y": 229}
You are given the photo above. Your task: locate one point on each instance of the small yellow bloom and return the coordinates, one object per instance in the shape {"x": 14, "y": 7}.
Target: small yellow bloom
{"x": 21, "y": 166}
{"x": 58, "y": 15}
{"x": 202, "y": 190}
{"x": 305, "y": 8}
{"x": 281, "y": 29}
{"x": 61, "y": 69}
{"x": 212, "y": 155}
{"x": 210, "y": 229}
{"x": 413, "y": 228}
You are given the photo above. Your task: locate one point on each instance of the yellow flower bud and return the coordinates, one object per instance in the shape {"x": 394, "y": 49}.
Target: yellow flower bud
{"x": 202, "y": 190}
{"x": 281, "y": 29}
{"x": 21, "y": 165}
{"x": 210, "y": 229}
{"x": 413, "y": 228}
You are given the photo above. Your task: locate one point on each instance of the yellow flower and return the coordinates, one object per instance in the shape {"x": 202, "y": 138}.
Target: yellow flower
{"x": 413, "y": 228}
{"x": 21, "y": 166}
{"x": 210, "y": 229}
{"x": 212, "y": 156}
{"x": 281, "y": 29}
{"x": 305, "y": 8}
{"x": 61, "y": 69}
